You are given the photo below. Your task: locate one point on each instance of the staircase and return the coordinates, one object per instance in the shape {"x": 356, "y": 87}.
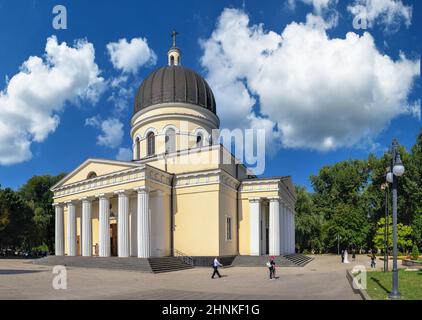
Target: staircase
{"x": 291, "y": 260}
{"x": 152, "y": 265}
{"x": 167, "y": 264}
{"x": 299, "y": 260}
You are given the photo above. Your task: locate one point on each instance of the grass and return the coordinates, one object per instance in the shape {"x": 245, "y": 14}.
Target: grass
{"x": 410, "y": 284}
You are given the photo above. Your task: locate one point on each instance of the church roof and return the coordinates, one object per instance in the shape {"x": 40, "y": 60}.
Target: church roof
{"x": 174, "y": 83}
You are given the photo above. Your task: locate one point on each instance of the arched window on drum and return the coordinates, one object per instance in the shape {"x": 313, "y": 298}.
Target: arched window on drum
{"x": 150, "y": 144}
{"x": 199, "y": 140}
{"x": 170, "y": 140}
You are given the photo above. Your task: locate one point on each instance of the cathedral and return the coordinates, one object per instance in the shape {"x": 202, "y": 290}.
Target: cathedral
{"x": 182, "y": 194}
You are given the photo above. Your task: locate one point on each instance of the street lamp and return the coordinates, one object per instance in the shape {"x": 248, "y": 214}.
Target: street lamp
{"x": 384, "y": 187}
{"x": 396, "y": 170}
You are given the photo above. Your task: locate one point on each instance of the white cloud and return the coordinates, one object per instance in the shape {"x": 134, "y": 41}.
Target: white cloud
{"x": 111, "y": 135}
{"x": 322, "y": 8}
{"x": 319, "y": 93}
{"x": 33, "y": 98}
{"x": 389, "y": 13}
{"x": 130, "y": 56}
{"x": 122, "y": 93}
{"x": 124, "y": 154}
{"x": 318, "y": 5}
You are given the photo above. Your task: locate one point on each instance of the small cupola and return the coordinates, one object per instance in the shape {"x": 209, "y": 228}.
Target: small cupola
{"x": 174, "y": 52}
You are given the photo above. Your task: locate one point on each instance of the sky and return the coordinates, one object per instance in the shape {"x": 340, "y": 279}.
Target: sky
{"x": 327, "y": 80}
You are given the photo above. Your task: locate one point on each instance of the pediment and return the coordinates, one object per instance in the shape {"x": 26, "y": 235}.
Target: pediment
{"x": 98, "y": 166}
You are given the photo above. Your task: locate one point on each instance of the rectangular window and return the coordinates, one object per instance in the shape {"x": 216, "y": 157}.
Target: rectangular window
{"x": 228, "y": 228}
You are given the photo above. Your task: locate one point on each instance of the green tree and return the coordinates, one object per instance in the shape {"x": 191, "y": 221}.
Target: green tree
{"x": 417, "y": 230}
{"x": 37, "y": 195}
{"x": 404, "y": 236}
{"x": 339, "y": 198}
{"x": 308, "y": 222}
{"x": 16, "y": 220}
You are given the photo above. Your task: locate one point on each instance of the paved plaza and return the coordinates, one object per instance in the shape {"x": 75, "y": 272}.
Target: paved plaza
{"x": 322, "y": 278}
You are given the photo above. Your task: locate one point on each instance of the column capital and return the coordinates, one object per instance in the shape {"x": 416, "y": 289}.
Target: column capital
{"x": 103, "y": 195}
{"x": 254, "y": 200}
{"x": 142, "y": 189}
{"x": 58, "y": 204}
{"x": 70, "y": 202}
{"x": 86, "y": 199}
{"x": 122, "y": 192}
{"x": 274, "y": 199}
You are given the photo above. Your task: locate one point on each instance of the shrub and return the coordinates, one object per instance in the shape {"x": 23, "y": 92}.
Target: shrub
{"x": 415, "y": 252}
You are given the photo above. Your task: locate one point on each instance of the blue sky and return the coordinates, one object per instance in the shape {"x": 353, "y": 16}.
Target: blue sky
{"x": 26, "y": 25}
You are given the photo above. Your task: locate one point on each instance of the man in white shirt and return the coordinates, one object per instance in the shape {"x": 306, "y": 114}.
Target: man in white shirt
{"x": 215, "y": 265}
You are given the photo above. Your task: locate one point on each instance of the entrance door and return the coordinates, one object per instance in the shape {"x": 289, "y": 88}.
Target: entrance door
{"x": 267, "y": 241}
{"x": 113, "y": 239}
{"x": 78, "y": 245}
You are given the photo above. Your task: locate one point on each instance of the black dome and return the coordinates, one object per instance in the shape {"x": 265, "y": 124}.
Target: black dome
{"x": 174, "y": 84}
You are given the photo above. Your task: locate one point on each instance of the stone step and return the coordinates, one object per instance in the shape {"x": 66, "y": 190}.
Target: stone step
{"x": 156, "y": 265}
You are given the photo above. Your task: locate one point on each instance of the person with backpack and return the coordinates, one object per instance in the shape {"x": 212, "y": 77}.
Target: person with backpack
{"x": 215, "y": 265}
{"x": 271, "y": 268}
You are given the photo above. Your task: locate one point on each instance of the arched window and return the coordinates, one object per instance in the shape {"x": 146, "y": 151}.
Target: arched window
{"x": 150, "y": 144}
{"x": 138, "y": 148}
{"x": 199, "y": 140}
{"x": 91, "y": 175}
{"x": 172, "y": 60}
{"x": 170, "y": 140}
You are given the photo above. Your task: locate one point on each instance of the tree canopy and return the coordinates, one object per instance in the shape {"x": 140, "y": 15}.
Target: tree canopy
{"x": 348, "y": 203}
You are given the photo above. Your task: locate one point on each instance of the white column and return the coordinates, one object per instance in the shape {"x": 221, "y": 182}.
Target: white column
{"x": 86, "y": 227}
{"x": 290, "y": 232}
{"x": 123, "y": 224}
{"x": 274, "y": 226}
{"x": 143, "y": 224}
{"x": 286, "y": 230}
{"x": 293, "y": 231}
{"x": 59, "y": 230}
{"x": 71, "y": 228}
{"x": 255, "y": 227}
{"x": 104, "y": 213}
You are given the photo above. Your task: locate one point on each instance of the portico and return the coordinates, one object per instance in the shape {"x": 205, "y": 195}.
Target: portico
{"x": 128, "y": 208}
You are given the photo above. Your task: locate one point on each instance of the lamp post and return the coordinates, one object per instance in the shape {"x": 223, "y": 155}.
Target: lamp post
{"x": 384, "y": 187}
{"x": 396, "y": 170}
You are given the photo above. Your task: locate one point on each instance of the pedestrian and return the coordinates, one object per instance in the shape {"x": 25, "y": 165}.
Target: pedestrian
{"x": 271, "y": 267}
{"x": 373, "y": 258}
{"x": 215, "y": 265}
{"x": 342, "y": 256}
{"x": 353, "y": 254}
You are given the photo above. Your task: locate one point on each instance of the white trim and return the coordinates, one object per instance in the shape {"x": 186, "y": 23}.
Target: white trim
{"x": 208, "y": 113}
{"x": 150, "y": 129}
{"x": 170, "y": 126}
{"x": 94, "y": 160}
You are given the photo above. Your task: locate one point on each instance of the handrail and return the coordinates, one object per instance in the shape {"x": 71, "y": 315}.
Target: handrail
{"x": 183, "y": 257}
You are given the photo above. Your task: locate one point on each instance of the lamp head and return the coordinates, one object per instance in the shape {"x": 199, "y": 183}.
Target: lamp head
{"x": 398, "y": 168}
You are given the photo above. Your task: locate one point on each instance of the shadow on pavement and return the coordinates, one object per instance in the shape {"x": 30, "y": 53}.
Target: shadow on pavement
{"x": 15, "y": 271}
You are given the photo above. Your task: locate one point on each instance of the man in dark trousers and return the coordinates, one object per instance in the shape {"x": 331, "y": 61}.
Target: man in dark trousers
{"x": 215, "y": 265}
{"x": 342, "y": 256}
